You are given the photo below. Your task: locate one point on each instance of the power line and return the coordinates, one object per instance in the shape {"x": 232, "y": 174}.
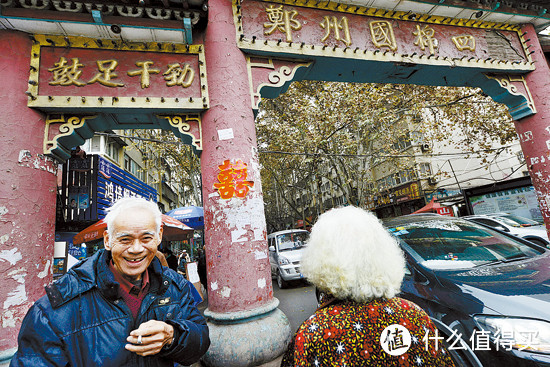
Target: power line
{"x": 322, "y": 154}
{"x": 140, "y": 138}
{"x": 384, "y": 155}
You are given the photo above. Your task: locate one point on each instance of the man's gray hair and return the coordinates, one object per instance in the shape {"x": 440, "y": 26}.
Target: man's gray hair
{"x": 124, "y": 204}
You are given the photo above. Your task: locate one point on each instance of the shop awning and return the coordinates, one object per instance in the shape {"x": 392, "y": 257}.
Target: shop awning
{"x": 173, "y": 230}
{"x": 431, "y": 207}
{"x": 193, "y": 216}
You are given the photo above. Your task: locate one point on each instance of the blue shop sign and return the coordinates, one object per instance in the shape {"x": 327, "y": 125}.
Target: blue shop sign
{"x": 442, "y": 194}
{"x": 114, "y": 183}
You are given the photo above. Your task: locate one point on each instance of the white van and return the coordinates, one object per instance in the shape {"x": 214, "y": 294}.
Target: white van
{"x": 285, "y": 253}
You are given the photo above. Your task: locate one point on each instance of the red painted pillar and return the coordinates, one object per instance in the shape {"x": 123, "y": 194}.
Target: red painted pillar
{"x": 27, "y": 194}
{"x": 534, "y": 131}
{"x": 239, "y": 274}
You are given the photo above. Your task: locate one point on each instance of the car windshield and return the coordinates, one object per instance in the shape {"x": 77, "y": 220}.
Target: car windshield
{"x": 457, "y": 244}
{"x": 292, "y": 241}
{"x": 515, "y": 221}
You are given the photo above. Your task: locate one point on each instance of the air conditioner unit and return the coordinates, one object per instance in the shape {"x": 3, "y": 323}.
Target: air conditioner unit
{"x": 425, "y": 147}
{"x": 432, "y": 180}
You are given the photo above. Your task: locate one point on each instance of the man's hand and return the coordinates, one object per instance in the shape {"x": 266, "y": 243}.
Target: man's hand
{"x": 150, "y": 337}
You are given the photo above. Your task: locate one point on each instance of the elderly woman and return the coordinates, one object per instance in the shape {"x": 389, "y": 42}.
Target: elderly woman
{"x": 358, "y": 268}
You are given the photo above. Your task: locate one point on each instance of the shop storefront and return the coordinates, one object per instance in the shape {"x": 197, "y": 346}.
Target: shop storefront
{"x": 515, "y": 196}
{"x": 87, "y": 188}
{"x": 401, "y": 200}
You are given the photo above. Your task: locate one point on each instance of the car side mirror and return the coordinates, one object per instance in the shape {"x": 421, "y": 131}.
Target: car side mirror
{"x": 272, "y": 248}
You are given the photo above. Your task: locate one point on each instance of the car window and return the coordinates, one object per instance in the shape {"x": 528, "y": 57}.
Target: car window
{"x": 514, "y": 220}
{"x": 292, "y": 241}
{"x": 450, "y": 244}
{"x": 486, "y": 221}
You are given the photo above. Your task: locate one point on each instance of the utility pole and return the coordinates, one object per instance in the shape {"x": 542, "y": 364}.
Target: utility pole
{"x": 457, "y": 182}
{"x": 454, "y": 174}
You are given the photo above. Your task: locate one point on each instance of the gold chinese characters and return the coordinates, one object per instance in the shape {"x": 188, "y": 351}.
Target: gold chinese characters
{"x": 289, "y": 22}
{"x": 66, "y": 74}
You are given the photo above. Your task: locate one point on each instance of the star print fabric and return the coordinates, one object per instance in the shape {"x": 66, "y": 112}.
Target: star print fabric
{"x": 348, "y": 334}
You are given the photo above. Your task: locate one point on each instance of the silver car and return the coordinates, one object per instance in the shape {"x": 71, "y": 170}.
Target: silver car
{"x": 285, "y": 254}
{"x": 518, "y": 226}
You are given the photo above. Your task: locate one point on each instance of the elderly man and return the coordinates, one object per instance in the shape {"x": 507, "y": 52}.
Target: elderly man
{"x": 119, "y": 307}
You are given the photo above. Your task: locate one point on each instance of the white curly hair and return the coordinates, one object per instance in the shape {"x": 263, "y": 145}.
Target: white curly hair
{"x": 352, "y": 256}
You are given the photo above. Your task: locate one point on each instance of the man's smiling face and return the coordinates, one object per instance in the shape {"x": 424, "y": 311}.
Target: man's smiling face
{"x": 134, "y": 242}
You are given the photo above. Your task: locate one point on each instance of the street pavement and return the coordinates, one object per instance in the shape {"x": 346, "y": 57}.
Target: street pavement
{"x": 297, "y": 302}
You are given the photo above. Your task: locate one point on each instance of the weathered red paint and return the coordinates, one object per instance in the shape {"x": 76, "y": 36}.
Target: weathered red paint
{"x": 235, "y": 237}
{"x": 27, "y": 192}
{"x": 534, "y": 131}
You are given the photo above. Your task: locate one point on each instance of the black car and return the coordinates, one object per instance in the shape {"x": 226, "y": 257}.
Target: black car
{"x": 490, "y": 288}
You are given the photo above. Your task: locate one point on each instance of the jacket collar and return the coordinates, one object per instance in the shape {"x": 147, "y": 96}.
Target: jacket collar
{"x": 109, "y": 286}
{"x": 94, "y": 272}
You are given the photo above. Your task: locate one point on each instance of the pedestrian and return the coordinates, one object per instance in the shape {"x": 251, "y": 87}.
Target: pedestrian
{"x": 161, "y": 258}
{"x": 201, "y": 267}
{"x": 119, "y": 307}
{"x": 171, "y": 259}
{"x": 182, "y": 263}
{"x": 358, "y": 268}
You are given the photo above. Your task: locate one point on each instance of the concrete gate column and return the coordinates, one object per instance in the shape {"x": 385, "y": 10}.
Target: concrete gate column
{"x": 27, "y": 194}
{"x": 534, "y": 131}
{"x": 246, "y": 327}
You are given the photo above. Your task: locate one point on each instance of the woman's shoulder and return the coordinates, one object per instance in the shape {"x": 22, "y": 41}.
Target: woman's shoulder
{"x": 406, "y": 306}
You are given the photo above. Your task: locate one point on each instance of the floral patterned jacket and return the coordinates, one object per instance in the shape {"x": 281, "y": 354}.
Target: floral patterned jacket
{"x": 351, "y": 334}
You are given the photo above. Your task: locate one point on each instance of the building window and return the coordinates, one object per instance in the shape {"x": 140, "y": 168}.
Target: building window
{"x": 425, "y": 170}
{"x": 521, "y": 157}
{"x": 417, "y": 137}
{"x": 403, "y": 142}
{"x": 126, "y": 162}
{"x": 404, "y": 176}
{"x": 386, "y": 182}
{"x": 113, "y": 150}
{"x": 131, "y": 166}
{"x": 94, "y": 145}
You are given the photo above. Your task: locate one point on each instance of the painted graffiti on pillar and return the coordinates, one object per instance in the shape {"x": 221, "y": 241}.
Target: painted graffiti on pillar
{"x": 232, "y": 180}
{"x": 326, "y": 29}
{"x": 77, "y": 72}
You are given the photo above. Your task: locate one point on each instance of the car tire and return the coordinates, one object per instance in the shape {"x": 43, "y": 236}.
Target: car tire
{"x": 281, "y": 282}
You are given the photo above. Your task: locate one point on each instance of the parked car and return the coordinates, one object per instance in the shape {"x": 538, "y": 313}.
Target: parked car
{"x": 285, "y": 254}
{"x": 491, "y": 288}
{"x": 516, "y": 225}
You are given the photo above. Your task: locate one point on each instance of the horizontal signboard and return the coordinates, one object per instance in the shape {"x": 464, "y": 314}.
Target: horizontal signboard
{"x": 323, "y": 28}
{"x": 68, "y": 72}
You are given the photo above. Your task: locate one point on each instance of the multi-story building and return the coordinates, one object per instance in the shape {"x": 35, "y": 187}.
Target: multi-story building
{"x": 134, "y": 156}
{"x": 419, "y": 167}
{"x": 403, "y": 175}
